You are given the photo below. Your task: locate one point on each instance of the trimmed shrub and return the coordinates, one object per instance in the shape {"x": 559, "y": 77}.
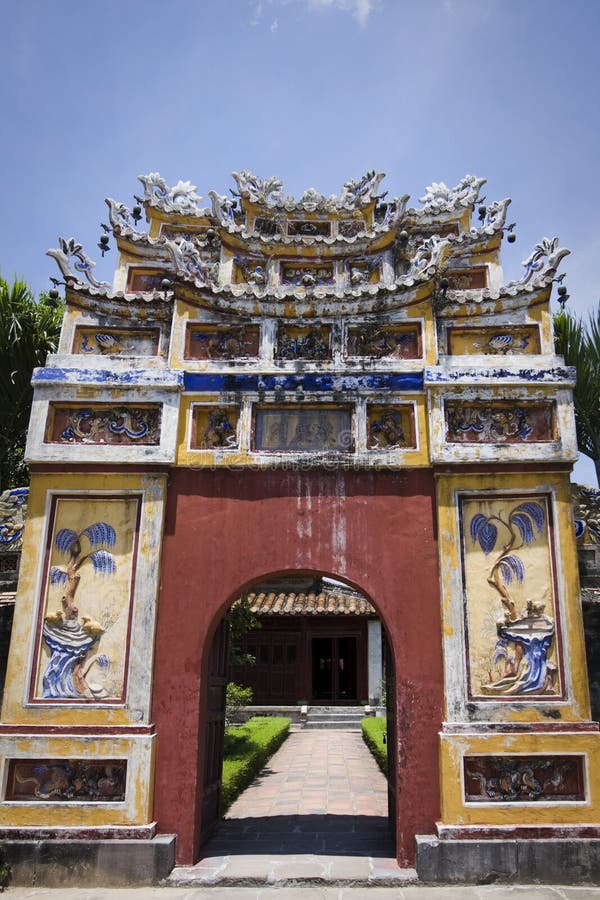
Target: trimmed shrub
{"x": 373, "y": 732}
{"x": 247, "y": 749}
{"x": 236, "y": 697}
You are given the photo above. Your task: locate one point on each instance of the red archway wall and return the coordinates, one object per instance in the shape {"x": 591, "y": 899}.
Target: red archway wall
{"x": 225, "y": 530}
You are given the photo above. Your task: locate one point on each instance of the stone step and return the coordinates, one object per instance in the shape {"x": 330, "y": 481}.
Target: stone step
{"x": 296, "y": 871}
{"x": 341, "y": 725}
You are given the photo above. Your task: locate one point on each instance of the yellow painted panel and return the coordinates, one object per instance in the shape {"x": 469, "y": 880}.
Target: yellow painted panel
{"x": 455, "y": 811}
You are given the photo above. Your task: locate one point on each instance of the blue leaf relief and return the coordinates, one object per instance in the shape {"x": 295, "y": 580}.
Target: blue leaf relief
{"x": 57, "y": 576}
{"x": 536, "y": 511}
{"x": 579, "y": 528}
{"x": 65, "y": 539}
{"x": 100, "y": 534}
{"x": 484, "y": 532}
{"x": 476, "y": 523}
{"x": 103, "y": 562}
{"x": 525, "y": 526}
{"x": 512, "y": 566}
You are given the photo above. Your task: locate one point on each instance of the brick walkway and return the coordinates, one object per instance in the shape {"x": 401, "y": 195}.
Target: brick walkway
{"x": 317, "y": 773}
{"x": 320, "y": 795}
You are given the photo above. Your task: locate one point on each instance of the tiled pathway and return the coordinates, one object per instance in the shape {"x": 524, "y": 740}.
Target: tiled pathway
{"x": 316, "y": 813}
{"x": 317, "y": 773}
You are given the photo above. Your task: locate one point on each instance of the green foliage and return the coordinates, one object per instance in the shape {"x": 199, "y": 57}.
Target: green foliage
{"x": 374, "y": 730}
{"x": 241, "y": 621}
{"x": 247, "y": 749}
{"x": 236, "y": 697}
{"x": 29, "y": 330}
{"x": 580, "y": 346}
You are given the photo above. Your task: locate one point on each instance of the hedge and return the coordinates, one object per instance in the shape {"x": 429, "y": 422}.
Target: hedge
{"x": 247, "y": 749}
{"x": 373, "y": 732}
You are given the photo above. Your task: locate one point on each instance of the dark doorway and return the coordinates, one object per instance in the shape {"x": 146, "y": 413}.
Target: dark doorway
{"x": 334, "y": 669}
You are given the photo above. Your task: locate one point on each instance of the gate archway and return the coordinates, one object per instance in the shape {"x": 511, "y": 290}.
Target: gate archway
{"x": 223, "y": 534}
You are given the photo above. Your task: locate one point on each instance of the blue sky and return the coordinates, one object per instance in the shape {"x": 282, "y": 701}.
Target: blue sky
{"x": 314, "y": 91}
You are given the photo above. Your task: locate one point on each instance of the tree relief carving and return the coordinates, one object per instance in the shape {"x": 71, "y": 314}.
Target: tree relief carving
{"x": 515, "y": 655}
{"x": 87, "y": 601}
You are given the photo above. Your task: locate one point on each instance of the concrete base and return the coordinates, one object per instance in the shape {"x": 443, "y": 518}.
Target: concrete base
{"x": 93, "y": 863}
{"x": 518, "y": 861}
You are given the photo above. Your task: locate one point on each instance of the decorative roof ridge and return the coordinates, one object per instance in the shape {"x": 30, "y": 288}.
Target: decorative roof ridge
{"x": 181, "y": 198}
{"x": 268, "y": 192}
{"x": 69, "y": 249}
{"x": 439, "y": 198}
{"x": 105, "y": 290}
{"x": 429, "y": 257}
{"x": 538, "y": 275}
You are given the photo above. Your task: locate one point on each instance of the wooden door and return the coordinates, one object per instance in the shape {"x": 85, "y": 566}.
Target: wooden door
{"x": 215, "y": 727}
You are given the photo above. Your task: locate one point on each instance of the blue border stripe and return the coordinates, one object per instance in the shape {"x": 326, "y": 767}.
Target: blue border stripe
{"x": 203, "y": 383}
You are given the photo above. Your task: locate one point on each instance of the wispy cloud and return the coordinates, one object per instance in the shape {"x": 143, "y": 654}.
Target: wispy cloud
{"x": 257, "y": 13}
{"x": 360, "y": 10}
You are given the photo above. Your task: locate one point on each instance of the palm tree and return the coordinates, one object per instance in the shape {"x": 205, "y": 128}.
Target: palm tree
{"x": 29, "y": 330}
{"x": 580, "y": 346}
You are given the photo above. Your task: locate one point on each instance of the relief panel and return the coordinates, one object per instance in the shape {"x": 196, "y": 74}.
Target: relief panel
{"x": 307, "y": 274}
{"x": 72, "y": 780}
{"x": 184, "y": 232}
{"x": 364, "y": 271}
{"x": 386, "y": 341}
{"x": 98, "y": 341}
{"x": 303, "y": 343}
{"x": 86, "y": 599}
{"x": 390, "y": 427}
{"x": 202, "y": 342}
{"x": 512, "y": 631}
{"x": 308, "y": 228}
{"x": 215, "y": 427}
{"x": 103, "y": 424}
{"x": 144, "y": 280}
{"x": 303, "y": 429}
{"x": 250, "y": 270}
{"x": 499, "y": 421}
{"x": 586, "y": 509}
{"x": 506, "y": 340}
{"x": 472, "y": 279}
{"x": 524, "y": 779}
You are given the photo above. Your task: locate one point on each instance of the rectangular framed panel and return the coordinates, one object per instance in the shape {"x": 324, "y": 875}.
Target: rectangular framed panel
{"x": 512, "y": 626}
{"x": 315, "y": 429}
{"x": 109, "y": 341}
{"x": 499, "y": 422}
{"x": 104, "y": 423}
{"x": 506, "y": 340}
{"x": 524, "y": 779}
{"x": 66, "y": 780}
{"x": 85, "y": 607}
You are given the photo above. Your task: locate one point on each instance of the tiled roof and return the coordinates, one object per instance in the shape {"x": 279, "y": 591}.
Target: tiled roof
{"x": 325, "y": 603}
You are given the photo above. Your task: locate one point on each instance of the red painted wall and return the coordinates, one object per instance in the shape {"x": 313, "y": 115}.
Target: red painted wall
{"x": 225, "y": 530}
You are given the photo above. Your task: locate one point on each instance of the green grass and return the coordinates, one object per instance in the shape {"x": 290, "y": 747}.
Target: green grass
{"x": 247, "y": 749}
{"x": 373, "y": 731}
